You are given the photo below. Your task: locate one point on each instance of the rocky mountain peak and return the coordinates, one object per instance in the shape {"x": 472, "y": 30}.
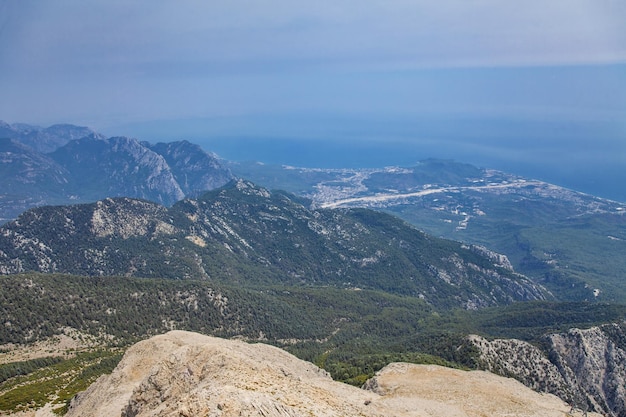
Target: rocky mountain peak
{"x": 248, "y": 188}
{"x": 188, "y": 374}
{"x": 194, "y": 169}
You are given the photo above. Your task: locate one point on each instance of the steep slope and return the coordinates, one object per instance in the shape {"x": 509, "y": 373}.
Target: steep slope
{"x": 243, "y": 233}
{"x": 585, "y": 367}
{"x": 117, "y": 166}
{"x": 191, "y": 375}
{"x": 595, "y": 359}
{"x": 573, "y": 243}
{"x": 109, "y": 237}
{"x": 195, "y": 170}
{"x": 22, "y": 168}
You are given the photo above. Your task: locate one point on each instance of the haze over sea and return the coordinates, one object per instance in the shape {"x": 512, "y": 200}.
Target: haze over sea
{"x": 537, "y": 89}
{"x": 575, "y": 154}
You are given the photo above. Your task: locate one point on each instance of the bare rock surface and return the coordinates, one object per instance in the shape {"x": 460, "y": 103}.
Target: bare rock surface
{"x": 527, "y": 363}
{"x": 429, "y": 390}
{"x": 586, "y": 367}
{"x": 590, "y": 359}
{"x": 187, "y": 374}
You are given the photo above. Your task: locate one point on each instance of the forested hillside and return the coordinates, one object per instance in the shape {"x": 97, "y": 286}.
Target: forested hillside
{"x": 351, "y": 333}
{"x": 244, "y": 234}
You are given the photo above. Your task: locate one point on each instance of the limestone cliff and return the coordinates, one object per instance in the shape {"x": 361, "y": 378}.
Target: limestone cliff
{"x": 586, "y": 368}
{"x": 187, "y": 374}
{"x": 595, "y": 361}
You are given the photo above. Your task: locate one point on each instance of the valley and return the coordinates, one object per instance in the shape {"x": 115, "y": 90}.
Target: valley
{"x": 352, "y": 334}
{"x": 573, "y": 243}
{"x": 440, "y": 263}
{"x": 290, "y": 209}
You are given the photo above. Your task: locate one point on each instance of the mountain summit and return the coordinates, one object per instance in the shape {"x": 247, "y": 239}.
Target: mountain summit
{"x": 194, "y": 170}
{"x": 194, "y": 375}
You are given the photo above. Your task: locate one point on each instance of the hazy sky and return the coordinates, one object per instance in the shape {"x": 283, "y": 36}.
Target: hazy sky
{"x": 466, "y": 72}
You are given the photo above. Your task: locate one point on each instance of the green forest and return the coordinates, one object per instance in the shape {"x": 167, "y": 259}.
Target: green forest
{"x": 350, "y": 333}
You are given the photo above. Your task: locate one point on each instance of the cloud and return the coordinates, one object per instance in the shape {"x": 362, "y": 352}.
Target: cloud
{"x": 104, "y": 61}
{"x": 135, "y": 36}
{"x": 493, "y": 79}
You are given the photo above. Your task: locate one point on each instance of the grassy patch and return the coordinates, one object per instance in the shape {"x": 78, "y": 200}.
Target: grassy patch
{"x": 57, "y": 382}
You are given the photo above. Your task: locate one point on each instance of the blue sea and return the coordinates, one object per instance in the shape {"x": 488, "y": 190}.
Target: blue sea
{"x": 583, "y": 156}
{"x": 585, "y": 171}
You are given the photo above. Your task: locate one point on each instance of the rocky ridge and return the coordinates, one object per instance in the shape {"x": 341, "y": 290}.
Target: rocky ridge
{"x": 243, "y": 233}
{"x": 187, "y": 374}
{"x": 42, "y": 139}
{"x": 587, "y": 368}
{"x": 80, "y": 165}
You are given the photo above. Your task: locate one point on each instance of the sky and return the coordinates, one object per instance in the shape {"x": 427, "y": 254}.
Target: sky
{"x": 519, "y": 85}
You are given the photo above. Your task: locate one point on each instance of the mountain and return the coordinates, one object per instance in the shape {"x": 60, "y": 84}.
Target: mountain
{"x": 94, "y": 167}
{"x": 570, "y": 242}
{"x": 190, "y": 375}
{"x": 22, "y": 168}
{"x": 243, "y": 233}
{"x": 117, "y": 166}
{"x": 195, "y": 171}
{"x": 44, "y": 140}
{"x": 585, "y": 367}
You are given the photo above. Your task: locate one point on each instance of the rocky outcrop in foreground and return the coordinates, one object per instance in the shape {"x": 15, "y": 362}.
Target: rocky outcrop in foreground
{"x": 187, "y": 374}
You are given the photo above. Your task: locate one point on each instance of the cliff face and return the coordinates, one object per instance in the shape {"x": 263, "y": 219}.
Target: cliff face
{"x": 187, "y": 374}
{"x": 195, "y": 170}
{"x": 523, "y": 361}
{"x": 91, "y": 167}
{"x": 595, "y": 361}
{"x": 117, "y": 166}
{"x": 586, "y": 368}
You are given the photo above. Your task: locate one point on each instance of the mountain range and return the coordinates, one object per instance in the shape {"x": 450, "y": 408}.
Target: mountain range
{"x": 118, "y": 239}
{"x": 570, "y": 242}
{"x": 79, "y": 165}
{"x": 244, "y": 233}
